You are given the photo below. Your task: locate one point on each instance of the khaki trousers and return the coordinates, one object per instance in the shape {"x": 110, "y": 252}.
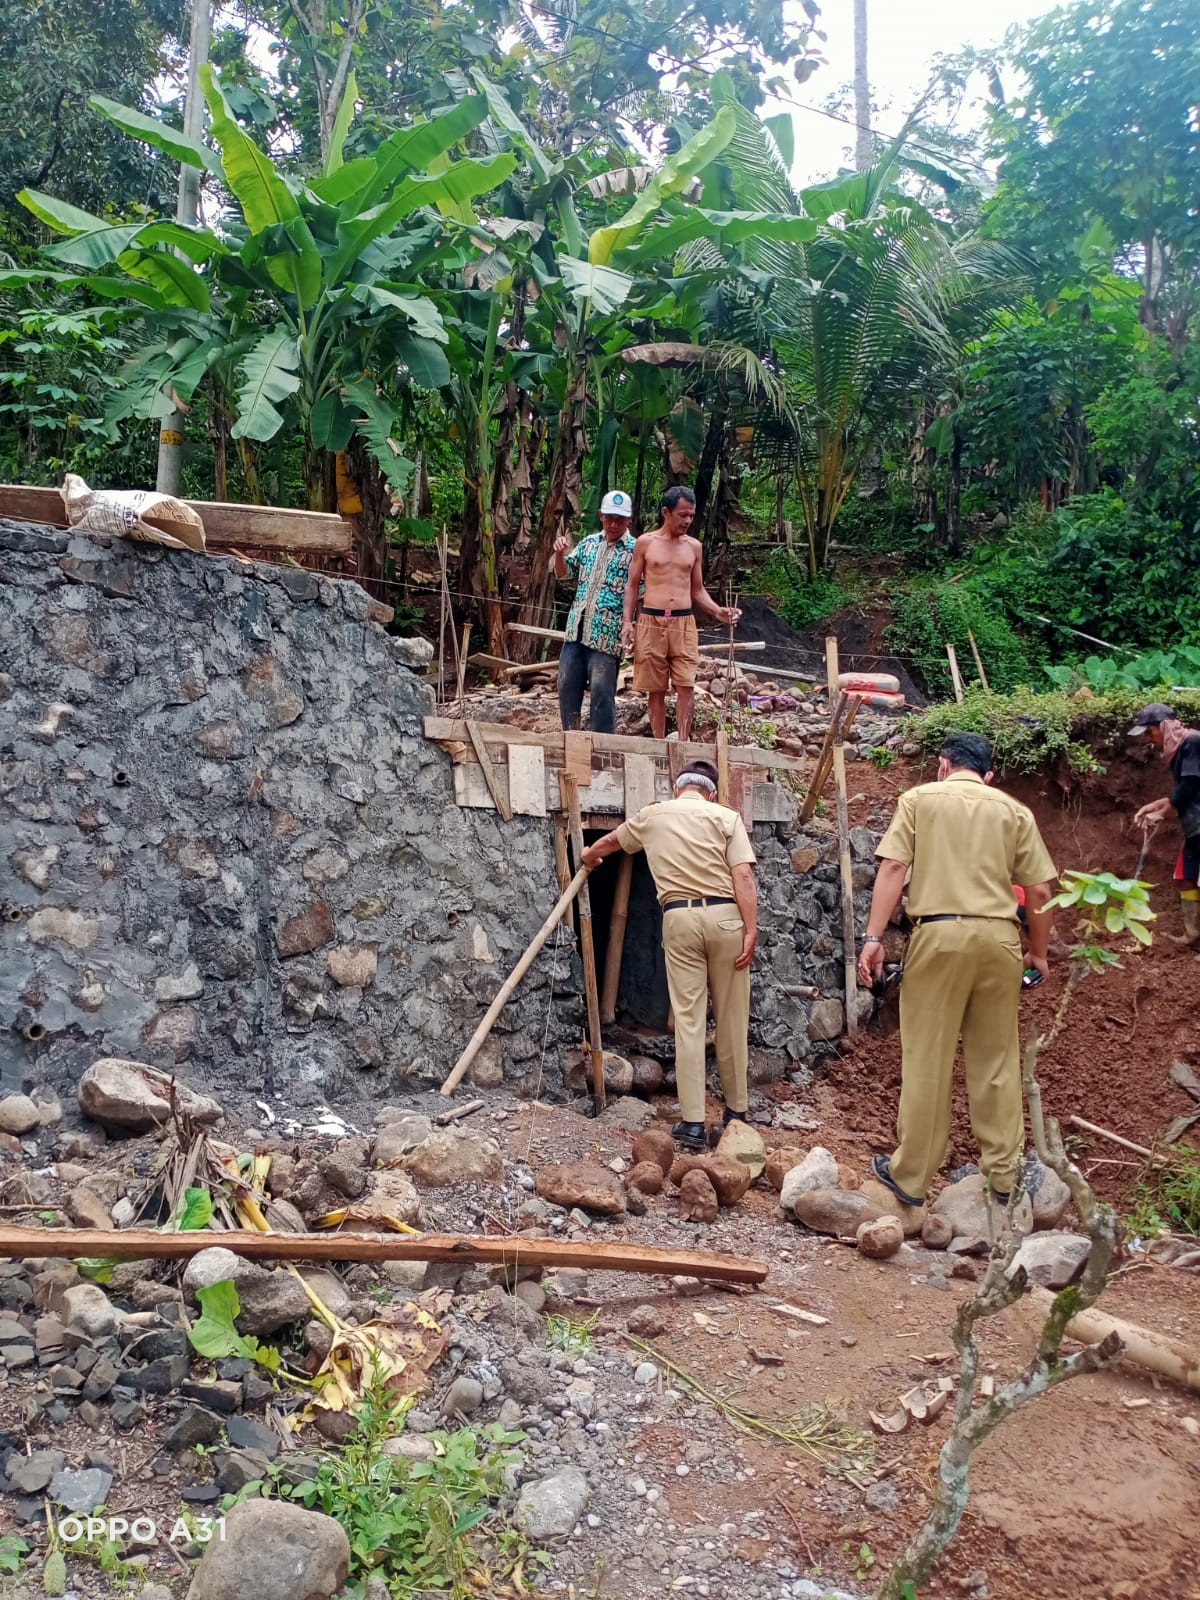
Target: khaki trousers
{"x": 961, "y": 978}
{"x": 701, "y": 944}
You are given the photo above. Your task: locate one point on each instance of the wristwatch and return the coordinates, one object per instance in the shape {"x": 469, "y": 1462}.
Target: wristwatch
{"x": 872, "y": 938}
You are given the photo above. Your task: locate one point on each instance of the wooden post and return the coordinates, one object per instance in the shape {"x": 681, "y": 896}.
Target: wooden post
{"x": 462, "y": 661}
{"x": 978, "y": 661}
{"x": 489, "y": 772}
{"x": 561, "y": 859}
{"x": 510, "y": 983}
{"x": 824, "y": 759}
{"x": 955, "y": 675}
{"x": 722, "y": 767}
{"x": 569, "y": 790}
{"x": 445, "y": 600}
{"x": 849, "y": 939}
{"x": 616, "y": 940}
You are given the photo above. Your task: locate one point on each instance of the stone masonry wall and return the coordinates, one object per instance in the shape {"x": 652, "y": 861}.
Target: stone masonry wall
{"x": 226, "y": 847}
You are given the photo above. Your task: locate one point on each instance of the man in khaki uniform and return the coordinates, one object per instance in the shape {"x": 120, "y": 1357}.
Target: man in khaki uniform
{"x": 703, "y": 866}
{"x": 967, "y": 844}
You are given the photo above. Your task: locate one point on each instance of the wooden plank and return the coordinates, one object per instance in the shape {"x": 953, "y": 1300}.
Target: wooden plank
{"x": 527, "y": 780}
{"x": 639, "y": 784}
{"x": 955, "y": 674}
{"x": 849, "y": 938}
{"x": 616, "y": 940}
{"x": 741, "y": 795}
{"x": 537, "y": 633}
{"x": 144, "y": 1244}
{"x": 723, "y": 649}
{"x": 677, "y": 760}
{"x": 771, "y": 802}
{"x": 489, "y": 772}
{"x": 605, "y": 793}
{"x": 562, "y": 862}
{"x": 577, "y": 753}
{"x": 441, "y": 729}
{"x": 226, "y": 524}
{"x": 462, "y": 663}
{"x": 722, "y": 767}
{"x": 587, "y": 947}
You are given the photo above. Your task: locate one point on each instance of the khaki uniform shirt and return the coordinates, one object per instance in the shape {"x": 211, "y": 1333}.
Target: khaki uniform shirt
{"x": 691, "y": 845}
{"x": 967, "y": 845}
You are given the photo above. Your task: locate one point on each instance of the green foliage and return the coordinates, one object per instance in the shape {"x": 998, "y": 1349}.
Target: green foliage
{"x": 572, "y": 1335}
{"x": 1105, "y": 906}
{"x": 1167, "y": 1197}
{"x": 195, "y": 1211}
{"x": 214, "y": 1335}
{"x": 13, "y": 1551}
{"x": 1157, "y": 669}
{"x": 931, "y": 615}
{"x": 423, "y": 1526}
{"x": 802, "y": 600}
{"x": 54, "y": 1572}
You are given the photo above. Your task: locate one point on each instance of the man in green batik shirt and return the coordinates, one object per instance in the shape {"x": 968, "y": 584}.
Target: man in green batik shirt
{"x": 592, "y": 652}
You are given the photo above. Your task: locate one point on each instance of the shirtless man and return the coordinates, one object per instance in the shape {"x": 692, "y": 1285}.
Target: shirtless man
{"x": 665, "y": 648}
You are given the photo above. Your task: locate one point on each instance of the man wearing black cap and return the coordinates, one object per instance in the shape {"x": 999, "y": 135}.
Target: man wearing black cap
{"x": 1180, "y": 747}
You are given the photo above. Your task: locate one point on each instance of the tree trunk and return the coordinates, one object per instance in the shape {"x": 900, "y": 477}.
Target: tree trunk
{"x": 370, "y": 536}
{"x": 560, "y": 510}
{"x": 710, "y": 455}
{"x": 864, "y": 148}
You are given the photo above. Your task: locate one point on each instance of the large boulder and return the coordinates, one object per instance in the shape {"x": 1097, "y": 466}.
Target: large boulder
{"x": 1052, "y": 1260}
{"x": 779, "y": 1163}
{"x": 18, "y": 1114}
{"x": 579, "y": 1183}
{"x": 269, "y": 1298}
{"x": 697, "y": 1197}
{"x": 840, "y": 1212}
{"x": 401, "y": 1132}
{"x": 657, "y": 1145}
{"x": 618, "y": 1073}
{"x": 818, "y": 1170}
{"x": 730, "y": 1179}
{"x": 452, "y": 1156}
{"x": 134, "y": 1098}
{"x": 1048, "y": 1194}
{"x": 273, "y": 1550}
{"x": 971, "y": 1212}
{"x": 886, "y": 1203}
{"x": 550, "y": 1508}
{"x": 741, "y": 1142}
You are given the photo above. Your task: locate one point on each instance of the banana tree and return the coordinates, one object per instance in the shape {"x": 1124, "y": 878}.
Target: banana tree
{"x": 313, "y": 290}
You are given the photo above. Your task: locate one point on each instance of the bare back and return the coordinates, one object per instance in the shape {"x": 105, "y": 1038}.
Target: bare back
{"x": 669, "y": 565}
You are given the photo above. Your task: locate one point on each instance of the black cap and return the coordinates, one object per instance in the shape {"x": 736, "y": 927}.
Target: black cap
{"x": 1150, "y": 717}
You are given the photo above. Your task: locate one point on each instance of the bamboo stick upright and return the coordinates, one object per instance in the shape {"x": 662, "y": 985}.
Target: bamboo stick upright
{"x": 849, "y": 937}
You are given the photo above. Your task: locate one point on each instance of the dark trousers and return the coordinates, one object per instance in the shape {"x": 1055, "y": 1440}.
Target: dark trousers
{"x": 580, "y": 667}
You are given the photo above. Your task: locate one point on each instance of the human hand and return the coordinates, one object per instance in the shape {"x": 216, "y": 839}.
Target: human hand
{"x": 1039, "y": 964}
{"x": 749, "y": 941}
{"x": 1155, "y": 811}
{"x": 591, "y": 858}
{"x": 562, "y": 545}
{"x": 870, "y": 964}
{"x": 732, "y": 616}
{"x": 627, "y": 632}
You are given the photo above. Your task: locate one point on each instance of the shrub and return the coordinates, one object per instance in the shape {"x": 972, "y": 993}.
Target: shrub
{"x": 802, "y": 600}
{"x": 934, "y": 615}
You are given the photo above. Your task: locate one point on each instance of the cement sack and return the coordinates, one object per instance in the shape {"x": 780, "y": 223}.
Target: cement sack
{"x": 132, "y": 514}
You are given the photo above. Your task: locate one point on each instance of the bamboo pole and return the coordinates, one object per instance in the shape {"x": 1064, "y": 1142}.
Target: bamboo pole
{"x": 722, "y": 767}
{"x": 1154, "y": 1351}
{"x": 569, "y": 789}
{"x": 955, "y": 674}
{"x": 824, "y": 758}
{"x": 849, "y": 939}
{"x": 462, "y": 661}
{"x": 616, "y": 940}
{"x": 1113, "y": 1138}
{"x": 978, "y": 661}
{"x": 510, "y": 983}
{"x": 144, "y": 1244}
{"x": 445, "y": 600}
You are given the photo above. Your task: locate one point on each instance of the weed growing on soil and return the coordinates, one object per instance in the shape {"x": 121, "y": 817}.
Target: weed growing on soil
{"x": 1167, "y": 1198}
{"x": 572, "y": 1336}
{"x": 12, "y": 1553}
{"x": 419, "y": 1524}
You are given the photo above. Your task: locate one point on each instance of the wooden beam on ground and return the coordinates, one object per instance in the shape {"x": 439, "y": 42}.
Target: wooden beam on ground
{"x": 144, "y": 1244}
{"x": 587, "y": 948}
{"x": 537, "y": 633}
{"x": 448, "y": 729}
{"x": 616, "y": 940}
{"x": 226, "y": 525}
{"x": 458, "y": 1071}
{"x": 955, "y": 674}
{"x": 489, "y": 772}
{"x": 849, "y": 937}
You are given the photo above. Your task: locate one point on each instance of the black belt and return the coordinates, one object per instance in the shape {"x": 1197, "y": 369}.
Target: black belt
{"x": 959, "y": 916}
{"x": 653, "y": 611}
{"x": 712, "y": 900}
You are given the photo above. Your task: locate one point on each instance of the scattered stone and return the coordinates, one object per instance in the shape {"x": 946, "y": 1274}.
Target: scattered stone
{"x": 741, "y": 1142}
{"x": 31, "y": 1474}
{"x": 194, "y": 1426}
{"x": 779, "y": 1163}
{"x": 697, "y": 1197}
{"x": 655, "y": 1145}
{"x": 273, "y": 1550}
{"x": 618, "y": 1073}
{"x": 308, "y": 930}
{"x": 135, "y": 1098}
{"x": 645, "y": 1373}
{"x": 415, "y": 1447}
{"x": 826, "y": 1020}
{"x": 1053, "y": 1259}
{"x": 451, "y": 1156}
{"x": 936, "y": 1231}
{"x": 840, "y": 1212}
{"x": 1048, "y": 1194}
{"x": 80, "y": 1490}
{"x": 882, "y": 1496}
{"x": 269, "y": 1297}
{"x": 880, "y": 1239}
{"x": 645, "y": 1321}
{"x": 818, "y": 1170}
{"x": 247, "y": 1433}
{"x": 646, "y": 1176}
{"x": 579, "y": 1183}
{"x": 648, "y": 1075}
{"x": 18, "y": 1114}
{"x": 87, "y": 1209}
{"x": 391, "y": 1194}
{"x": 730, "y": 1179}
{"x": 464, "y": 1396}
{"x": 548, "y": 1509}
{"x": 345, "y": 1167}
{"x": 532, "y": 1294}
{"x": 222, "y": 1394}
{"x": 885, "y": 1202}
{"x": 89, "y": 1312}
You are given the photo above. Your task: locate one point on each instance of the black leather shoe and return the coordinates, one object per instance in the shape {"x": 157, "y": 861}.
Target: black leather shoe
{"x": 690, "y": 1135}
{"x": 882, "y": 1168}
{"x": 734, "y": 1116}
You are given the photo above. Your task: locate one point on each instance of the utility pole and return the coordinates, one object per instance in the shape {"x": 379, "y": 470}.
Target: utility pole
{"x": 170, "y": 437}
{"x": 864, "y": 149}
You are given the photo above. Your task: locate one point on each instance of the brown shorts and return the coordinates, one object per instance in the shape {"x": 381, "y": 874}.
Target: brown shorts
{"x": 666, "y": 653}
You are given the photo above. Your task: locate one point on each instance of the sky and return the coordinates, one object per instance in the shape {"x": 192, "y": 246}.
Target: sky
{"x": 903, "y": 38}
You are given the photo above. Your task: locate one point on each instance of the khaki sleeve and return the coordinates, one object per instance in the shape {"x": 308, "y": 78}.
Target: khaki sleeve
{"x": 632, "y": 832}
{"x": 739, "y": 852}
{"x": 899, "y": 843}
{"x": 1031, "y": 863}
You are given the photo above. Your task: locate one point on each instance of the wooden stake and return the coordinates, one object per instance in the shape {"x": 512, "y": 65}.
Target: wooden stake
{"x": 569, "y": 790}
{"x": 978, "y": 661}
{"x": 616, "y": 940}
{"x": 722, "y": 767}
{"x": 462, "y": 661}
{"x": 824, "y": 759}
{"x": 489, "y": 772}
{"x": 561, "y": 860}
{"x": 143, "y": 1244}
{"x": 849, "y": 938}
{"x": 510, "y": 983}
{"x": 1113, "y": 1138}
{"x": 467, "y": 1109}
{"x": 955, "y": 675}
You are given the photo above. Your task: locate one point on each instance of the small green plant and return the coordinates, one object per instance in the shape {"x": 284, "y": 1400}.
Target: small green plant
{"x": 214, "y": 1335}
{"x": 570, "y": 1335}
{"x": 13, "y": 1551}
{"x": 1167, "y": 1198}
{"x": 108, "y": 1556}
{"x": 863, "y": 1558}
{"x": 1106, "y": 906}
{"x": 882, "y": 756}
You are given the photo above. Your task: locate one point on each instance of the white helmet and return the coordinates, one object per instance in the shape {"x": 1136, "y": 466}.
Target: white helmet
{"x": 616, "y": 503}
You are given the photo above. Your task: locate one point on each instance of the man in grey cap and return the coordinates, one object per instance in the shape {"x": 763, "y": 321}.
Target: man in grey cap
{"x": 1180, "y": 747}
{"x": 591, "y": 653}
